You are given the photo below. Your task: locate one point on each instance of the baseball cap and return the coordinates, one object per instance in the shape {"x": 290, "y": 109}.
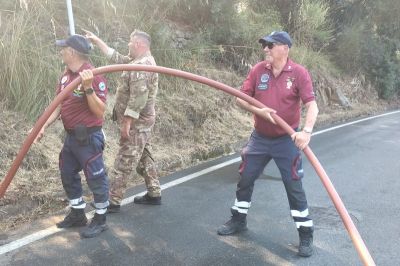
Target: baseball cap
{"x": 77, "y": 42}
{"x": 277, "y": 36}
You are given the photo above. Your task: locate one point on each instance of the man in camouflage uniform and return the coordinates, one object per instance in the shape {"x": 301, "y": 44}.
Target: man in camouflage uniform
{"x": 135, "y": 114}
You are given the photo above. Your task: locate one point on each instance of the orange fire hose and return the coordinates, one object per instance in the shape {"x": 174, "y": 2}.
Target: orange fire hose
{"x": 350, "y": 227}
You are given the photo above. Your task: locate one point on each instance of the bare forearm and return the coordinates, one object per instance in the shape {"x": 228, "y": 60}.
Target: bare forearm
{"x": 96, "y": 105}
{"x": 119, "y": 58}
{"x": 53, "y": 117}
{"x": 311, "y": 115}
{"x": 246, "y": 106}
{"x": 105, "y": 49}
{"x": 264, "y": 113}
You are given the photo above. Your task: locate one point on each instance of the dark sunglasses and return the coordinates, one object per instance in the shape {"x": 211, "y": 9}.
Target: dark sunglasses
{"x": 270, "y": 45}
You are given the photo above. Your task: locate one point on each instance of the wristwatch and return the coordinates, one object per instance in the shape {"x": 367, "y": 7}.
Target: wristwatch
{"x": 307, "y": 130}
{"x": 89, "y": 91}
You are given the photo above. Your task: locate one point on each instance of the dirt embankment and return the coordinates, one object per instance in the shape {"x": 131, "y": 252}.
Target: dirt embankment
{"x": 191, "y": 127}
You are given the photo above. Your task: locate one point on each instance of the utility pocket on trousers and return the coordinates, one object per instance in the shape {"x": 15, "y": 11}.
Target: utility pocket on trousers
{"x": 95, "y": 166}
{"x": 81, "y": 135}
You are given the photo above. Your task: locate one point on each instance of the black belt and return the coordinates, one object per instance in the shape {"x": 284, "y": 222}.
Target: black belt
{"x": 90, "y": 130}
{"x": 274, "y": 137}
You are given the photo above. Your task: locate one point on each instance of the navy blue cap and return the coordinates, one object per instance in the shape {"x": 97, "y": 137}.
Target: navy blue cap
{"x": 77, "y": 42}
{"x": 277, "y": 36}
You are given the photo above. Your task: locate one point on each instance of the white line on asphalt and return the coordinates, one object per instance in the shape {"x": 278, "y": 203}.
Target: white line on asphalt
{"x": 29, "y": 239}
{"x": 53, "y": 229}
{"x": 185, "y": 178}
{"x": 354, "y": 122}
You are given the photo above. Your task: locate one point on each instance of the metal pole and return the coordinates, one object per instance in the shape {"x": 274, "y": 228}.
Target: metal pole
{"x": 70, "y": 18}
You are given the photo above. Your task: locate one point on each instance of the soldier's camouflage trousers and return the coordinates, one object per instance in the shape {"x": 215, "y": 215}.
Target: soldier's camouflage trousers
{"x": 134, "y": 153}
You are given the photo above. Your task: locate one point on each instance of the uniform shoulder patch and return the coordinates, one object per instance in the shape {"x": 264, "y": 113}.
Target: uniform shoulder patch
{"x": 102, "y": 86}
{"x": 64, "y": 79}
{"x": 264, "y": 78}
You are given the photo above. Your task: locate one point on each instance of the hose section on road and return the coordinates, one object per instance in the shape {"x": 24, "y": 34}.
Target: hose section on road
{"x": 350, "y": 227}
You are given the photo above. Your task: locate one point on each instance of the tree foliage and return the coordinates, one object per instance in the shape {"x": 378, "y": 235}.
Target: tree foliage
{"x": 367, "y": 34}
{"x": 358, "y": 36}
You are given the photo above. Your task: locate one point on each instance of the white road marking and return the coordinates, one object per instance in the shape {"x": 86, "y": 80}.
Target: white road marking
{"x": 53, "y": 229}
{"x": 185, "y": 178}
{"x": 352, "y": 123}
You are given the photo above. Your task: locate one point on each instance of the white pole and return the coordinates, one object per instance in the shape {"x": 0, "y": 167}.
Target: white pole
{"x": 70, "y": 18}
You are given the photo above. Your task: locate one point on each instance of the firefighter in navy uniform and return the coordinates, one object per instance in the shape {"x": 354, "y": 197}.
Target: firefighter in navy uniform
{"x": 282, "y": 85}
{"x": 82, "y": 115}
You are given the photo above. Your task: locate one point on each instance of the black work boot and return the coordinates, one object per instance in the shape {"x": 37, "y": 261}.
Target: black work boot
{"x": 113, "y": 208}
{"x": 96, "y": 226}
{"x": 146, "y": 199}
{"x": 236, "y": 224}
{"x": 75, "y": 218}
{"x": 306, "y": 241}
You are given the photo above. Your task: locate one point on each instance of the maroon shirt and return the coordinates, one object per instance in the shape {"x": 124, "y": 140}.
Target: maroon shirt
{"x": 75, "y": 109}
{"x": 282, "y": 93}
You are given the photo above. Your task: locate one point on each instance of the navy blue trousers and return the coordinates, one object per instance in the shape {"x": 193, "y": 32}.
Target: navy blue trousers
{"x": 255, "y": 156}
{"x": 74, "y": 158}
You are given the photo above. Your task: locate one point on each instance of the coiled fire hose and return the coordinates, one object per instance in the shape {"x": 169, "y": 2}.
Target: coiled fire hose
{"x": 350, "y": 227}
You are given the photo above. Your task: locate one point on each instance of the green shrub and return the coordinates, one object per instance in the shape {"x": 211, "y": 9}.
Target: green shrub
{"x": 312, "y": 27}
{"x": 224, "y": 36}
{"x": 349, "y": 46}
{"x": 379, "y": 62}
{"x": 313, "y": 60}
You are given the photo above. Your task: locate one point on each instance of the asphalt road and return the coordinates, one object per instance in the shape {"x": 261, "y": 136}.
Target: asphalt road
{"x": 362, "y": 161}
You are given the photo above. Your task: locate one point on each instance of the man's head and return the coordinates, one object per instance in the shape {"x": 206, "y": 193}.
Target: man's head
{"x": 76, "y": 42}
{"x": 281, "y": 37}
{"x": 276, "y": 45}
{"x": 75, "y": 46}
{"x": 139, "y": 43}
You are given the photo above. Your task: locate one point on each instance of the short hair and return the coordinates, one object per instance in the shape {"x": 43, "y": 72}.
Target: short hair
{"x": 80, "y": 55}
{"x": 142, "y": 35}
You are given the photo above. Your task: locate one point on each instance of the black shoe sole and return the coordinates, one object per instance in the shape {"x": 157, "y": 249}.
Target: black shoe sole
{"x": 95, "y": 234}
{"x": 305, "y": 255}
{"x": 147, "y": 202}
{"x": 232, "y": 232}
{"x": 72, "y": 225}
{"x": 113, "y": 210}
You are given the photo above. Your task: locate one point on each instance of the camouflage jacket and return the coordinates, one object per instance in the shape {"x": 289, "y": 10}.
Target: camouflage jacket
{"x": 136, "y": 94}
